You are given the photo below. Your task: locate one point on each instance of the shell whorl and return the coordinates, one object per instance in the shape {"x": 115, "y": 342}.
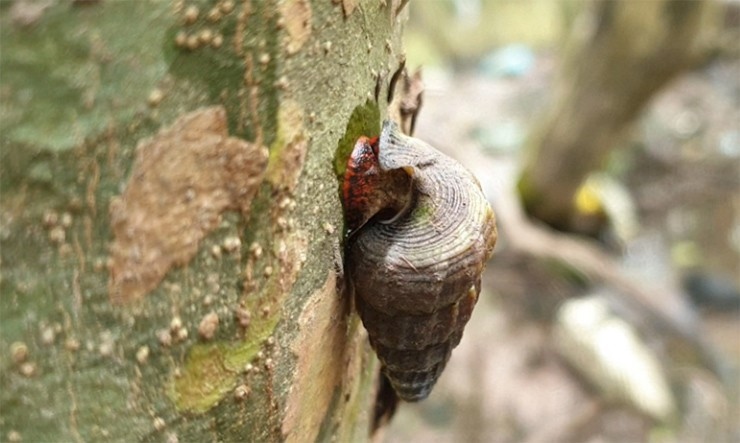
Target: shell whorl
{"x": 417, "y": 278}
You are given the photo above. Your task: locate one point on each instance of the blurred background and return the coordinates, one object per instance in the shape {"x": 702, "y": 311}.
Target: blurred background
{"x": 607, "y": 136}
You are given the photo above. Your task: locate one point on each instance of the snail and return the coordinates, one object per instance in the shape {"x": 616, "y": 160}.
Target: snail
{"x": 420, "y": 232}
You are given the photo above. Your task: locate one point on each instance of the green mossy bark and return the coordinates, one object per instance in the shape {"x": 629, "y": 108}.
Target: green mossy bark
{"x": 76, "y": 87}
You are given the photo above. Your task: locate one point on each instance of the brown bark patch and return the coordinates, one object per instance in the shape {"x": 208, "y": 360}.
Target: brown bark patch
{"x": 182, "y": 180}
{"x": 296, "y": 16}
{"x": 321, "y": 361}
{"x": 348, "y": 7}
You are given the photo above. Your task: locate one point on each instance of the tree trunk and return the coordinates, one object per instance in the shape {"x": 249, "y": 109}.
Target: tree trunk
{"x": 171, "y": 224}
{"x": 620, "y": 53}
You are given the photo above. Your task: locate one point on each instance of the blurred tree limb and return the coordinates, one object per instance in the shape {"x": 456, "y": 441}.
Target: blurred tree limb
{"x": 619, "y": 55}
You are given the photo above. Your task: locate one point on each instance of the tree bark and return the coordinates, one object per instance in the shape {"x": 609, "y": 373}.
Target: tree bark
{"x": 619, "y": 55}
{"x": 171, "y": 222}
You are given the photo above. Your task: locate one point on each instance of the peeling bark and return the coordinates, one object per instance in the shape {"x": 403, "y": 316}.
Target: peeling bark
{"x": 182, "y": 180}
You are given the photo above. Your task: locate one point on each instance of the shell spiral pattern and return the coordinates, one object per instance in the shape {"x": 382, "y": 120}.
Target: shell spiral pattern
{"x": 416, "y": 278}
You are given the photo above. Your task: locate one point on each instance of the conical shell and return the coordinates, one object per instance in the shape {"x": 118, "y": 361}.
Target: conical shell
{"x": 417, "y": 279}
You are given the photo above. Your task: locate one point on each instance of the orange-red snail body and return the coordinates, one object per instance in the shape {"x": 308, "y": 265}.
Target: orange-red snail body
{"x": 420, "y": 233}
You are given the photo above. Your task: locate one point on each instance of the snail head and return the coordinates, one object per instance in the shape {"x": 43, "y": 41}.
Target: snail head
{"x": 371, "y": 193}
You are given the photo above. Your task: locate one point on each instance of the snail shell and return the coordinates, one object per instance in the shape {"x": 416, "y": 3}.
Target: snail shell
{"x": 416, "y": 268}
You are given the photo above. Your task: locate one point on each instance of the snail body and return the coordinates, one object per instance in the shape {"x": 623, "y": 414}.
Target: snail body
{"x": 421, "y": 231}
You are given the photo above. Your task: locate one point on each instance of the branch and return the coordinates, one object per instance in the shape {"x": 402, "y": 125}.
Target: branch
{"x": 644, "y": 304}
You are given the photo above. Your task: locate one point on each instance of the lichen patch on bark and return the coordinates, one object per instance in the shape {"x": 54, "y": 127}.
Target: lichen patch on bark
{"x": 182, "y": 180}
{"x": 212, "y": 370}
{"x": 204, "y": 380}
